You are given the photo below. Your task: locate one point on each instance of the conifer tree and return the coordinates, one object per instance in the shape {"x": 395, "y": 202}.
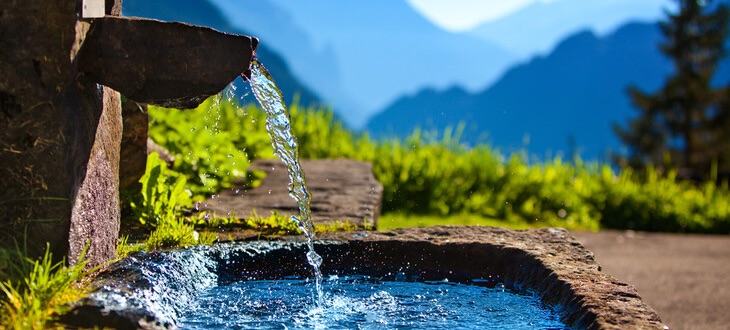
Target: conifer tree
{"x": 685, "y": 123}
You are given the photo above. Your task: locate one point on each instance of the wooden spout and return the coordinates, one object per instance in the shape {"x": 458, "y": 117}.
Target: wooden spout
{"x": 164, "y": 63}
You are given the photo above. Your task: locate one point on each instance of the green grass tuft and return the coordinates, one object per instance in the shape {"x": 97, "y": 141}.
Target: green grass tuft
{"x": 37, "y": 291}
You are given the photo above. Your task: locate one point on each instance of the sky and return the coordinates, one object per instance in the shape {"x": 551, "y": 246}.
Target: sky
{"x": 462, "y": 15}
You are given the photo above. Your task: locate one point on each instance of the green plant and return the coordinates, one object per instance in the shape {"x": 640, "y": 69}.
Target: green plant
{"x": 212, "y": 220}
{"x": 125, "y": 248}
{"x": 177, "y": 233}
{"x": 159, "y": 206}
{"x": 207, "y": 237}
{"x": 428, "y": 178}
{"x": 275, "y": 224}
{"x": 655, "y": 202}
{"x": 213, "y": 144}
{"x": 336, "y": 226}
{"x": 37, "y": 291}
{"x": 684, "y": 123}
{"x": 394, "y": 220}
{"x": 425, "y": 177}
{"x": 163, "y": 193}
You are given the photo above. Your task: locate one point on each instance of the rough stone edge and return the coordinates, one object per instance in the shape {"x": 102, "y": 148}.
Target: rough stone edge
{"x": 551, "y": 263}
{"x": 272, "y": 194}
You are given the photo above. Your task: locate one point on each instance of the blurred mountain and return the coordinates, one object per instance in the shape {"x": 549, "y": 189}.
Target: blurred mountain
{"x": 367, "y": 52}
{"x": 202, "y": 12}
{"x": 277, "y": 29}
{"x": 563, "y": 102}
{"x": 365, "y": 55}
{"x": 537, "y": 28}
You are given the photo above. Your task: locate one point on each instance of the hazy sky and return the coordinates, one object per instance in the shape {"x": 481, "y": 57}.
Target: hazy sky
{"x": 460, "y": 15}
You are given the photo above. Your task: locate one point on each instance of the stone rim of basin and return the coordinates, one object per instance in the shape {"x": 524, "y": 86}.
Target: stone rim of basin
{"x": 548, "y": 262}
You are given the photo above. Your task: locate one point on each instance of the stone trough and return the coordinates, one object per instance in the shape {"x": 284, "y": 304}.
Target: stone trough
{"x": 547, "y": 262}
{"x": 342, "y": 190}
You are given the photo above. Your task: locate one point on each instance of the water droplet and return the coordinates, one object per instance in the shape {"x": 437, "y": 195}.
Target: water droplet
{"x": 314, "y": 258}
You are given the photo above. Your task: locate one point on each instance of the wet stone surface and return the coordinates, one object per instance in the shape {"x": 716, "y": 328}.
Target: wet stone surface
{"x": 341, "y": 189}
{"x": 548, "y": 262}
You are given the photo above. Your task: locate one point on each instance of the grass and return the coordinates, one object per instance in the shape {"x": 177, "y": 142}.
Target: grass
{"x": 431, "y": 178}
{"x": 395, "y": 220}
{"x": 37, "y": 291}
{"x": 274, "y": 224}
{"x": 427, "y": 181}
{"x": 125, "y": 248}
{"x": 177, "y": 233}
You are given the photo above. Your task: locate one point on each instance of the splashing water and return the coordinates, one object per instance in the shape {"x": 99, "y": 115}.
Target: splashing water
{"x": 361, "y": 302}
{"x": 278, "y": 125}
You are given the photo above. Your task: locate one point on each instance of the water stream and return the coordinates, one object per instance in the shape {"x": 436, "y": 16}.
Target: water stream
{"x": 278, "y": 125}
{"x": 226, "y": 286}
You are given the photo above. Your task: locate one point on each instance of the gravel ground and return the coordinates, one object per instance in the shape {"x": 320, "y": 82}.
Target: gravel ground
{"x": 683, "y": 277}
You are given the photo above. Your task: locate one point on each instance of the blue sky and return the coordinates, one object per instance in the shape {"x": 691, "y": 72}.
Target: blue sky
{"x": 461, "y": 15}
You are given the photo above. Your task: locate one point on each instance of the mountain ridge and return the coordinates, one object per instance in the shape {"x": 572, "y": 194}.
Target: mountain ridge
{"x": 538, "y": 27}
{"x": 382, "y": 49}
{"x": 528, "y": 109}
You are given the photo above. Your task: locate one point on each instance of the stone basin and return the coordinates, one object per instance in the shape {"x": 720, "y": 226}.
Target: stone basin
{"x": 547, "y": 262}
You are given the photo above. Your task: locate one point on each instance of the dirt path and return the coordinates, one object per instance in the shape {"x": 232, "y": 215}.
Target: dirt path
{"x": 683, "y": 277}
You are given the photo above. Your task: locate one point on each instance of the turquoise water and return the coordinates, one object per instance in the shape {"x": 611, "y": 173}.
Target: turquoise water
{"x": 361, "y": 302}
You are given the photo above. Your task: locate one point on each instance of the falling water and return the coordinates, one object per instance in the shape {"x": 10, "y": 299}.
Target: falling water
{"x": 278, "y": 124}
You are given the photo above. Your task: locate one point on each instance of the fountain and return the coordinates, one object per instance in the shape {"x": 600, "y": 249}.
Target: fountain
{"x": 553, "y": 280}
{"x": 61, "y": 108}
{"x": 154, "y": 290}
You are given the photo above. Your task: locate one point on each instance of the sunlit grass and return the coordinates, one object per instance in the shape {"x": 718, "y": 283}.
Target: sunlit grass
{"x": 35, "y": 292}
{"x": 396, "y": 220}
{"x": 433, "y": 173}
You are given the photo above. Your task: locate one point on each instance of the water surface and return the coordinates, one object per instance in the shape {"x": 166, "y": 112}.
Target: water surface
{"x": 365, "y": 303}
